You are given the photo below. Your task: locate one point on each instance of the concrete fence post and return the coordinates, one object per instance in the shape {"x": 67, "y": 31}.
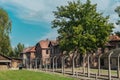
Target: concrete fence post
{"x": 96, "y": 77}
{"x": 73, "y": 65}
{"x": 118, "y": 68}
{"x": 62, "y": 65}
{"x": 46, "y": 64}
{"x": 53, "y": 63}
{"x": 109, "y": 66}
{"x": 88, "y": 66}
{"x": 99, "y": 64}
{"x": 56, "y": 64}
{"x": 36, "y": 63}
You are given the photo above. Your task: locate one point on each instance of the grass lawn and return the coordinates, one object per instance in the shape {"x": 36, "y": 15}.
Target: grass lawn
{"x": 30, "y": 75}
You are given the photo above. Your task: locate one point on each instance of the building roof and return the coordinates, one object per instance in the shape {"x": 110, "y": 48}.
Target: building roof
{"x": 114, "y": 38}
{"x": 109, "y": 45}
{"x": 46, "y": 43}
{"x": 4, "y": 56}
{"x": 115, "y": 53}
{"x": 25, "y": 50}
{"x": 29, "y": 49}
{"x": 32, "y": 49}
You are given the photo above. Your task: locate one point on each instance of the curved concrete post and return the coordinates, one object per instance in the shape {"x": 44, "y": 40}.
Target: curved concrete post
{"x": 27, "y": 66}
{"x": 53, "y": 63}
{"x": 84, "y": 63}
{"x": 50, "y": 62}
{"x": 30, "y": 64}
{"x": 26, "y": 63}
{"x": 46, "y": 67}
{"x": 77, "y": 59}
{"x": 56, "y": 64}
{"x": 73, "y": 62}
{"x": 88, "y": 66}
{"x": 73, "y": 65}
{"x": 99, "y": 64}
{"x": 118, "y": 68}
{"x": 36, "y": 63}
{"x": 63, "y": 61}
{"x": 109, "y": 66}
{"x": 41, "y": 63}
{"x": 63, "y": 64}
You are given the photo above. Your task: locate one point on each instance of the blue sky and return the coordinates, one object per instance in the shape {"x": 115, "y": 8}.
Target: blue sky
{"x": 31, "y": 19}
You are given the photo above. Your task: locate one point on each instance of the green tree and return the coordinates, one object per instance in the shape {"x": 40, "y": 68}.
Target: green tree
{"x": 81, "y": 27}
{"x": 5, "y": 29}
{"x": 18, "y": 49}
{"x": 117, "y": 10}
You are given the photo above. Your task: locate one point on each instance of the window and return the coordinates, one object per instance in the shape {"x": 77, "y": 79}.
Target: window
{"x": 47, "y": 51}
{"x": 102, "y": 62}
{"x": 118, "y": 45}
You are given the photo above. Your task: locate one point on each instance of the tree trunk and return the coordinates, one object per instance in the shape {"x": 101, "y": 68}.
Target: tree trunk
{"x": 77, "y": 59}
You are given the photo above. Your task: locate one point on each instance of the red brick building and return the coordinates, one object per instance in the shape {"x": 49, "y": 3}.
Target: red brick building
{"x": 114, "y": 43}
{"x": 28, "y": 56}
{"x": 46, "y": 49}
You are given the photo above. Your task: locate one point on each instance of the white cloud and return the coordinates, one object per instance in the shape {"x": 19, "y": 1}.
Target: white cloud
{"x": 27, "y": 45}
{"x": 108, "y": 7}
{"x": 117, "y": 28}
{"x": 113, "y": 17}
{"x": 51, "y": 35}
{"x": 41, "y": 10}
{"x": 101, "y": 4}
{"x": 34, "y": 10}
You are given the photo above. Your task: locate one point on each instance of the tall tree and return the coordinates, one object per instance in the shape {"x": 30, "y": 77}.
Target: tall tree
{"x": 5, "y": 29}
{"x": 18, "y": 49}
{"x": 117, "y": 10}
{"x": 81, "y": 27}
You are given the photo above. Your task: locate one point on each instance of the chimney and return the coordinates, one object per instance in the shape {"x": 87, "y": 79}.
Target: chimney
{"x": 47, "y": 39}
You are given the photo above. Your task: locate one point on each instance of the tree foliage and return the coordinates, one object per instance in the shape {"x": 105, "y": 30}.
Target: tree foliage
{"x": 5, "y": 29}
{"x": 117, "y": 10}
{"x": 81, "y": 27}
{"x": 18, "y": 49}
